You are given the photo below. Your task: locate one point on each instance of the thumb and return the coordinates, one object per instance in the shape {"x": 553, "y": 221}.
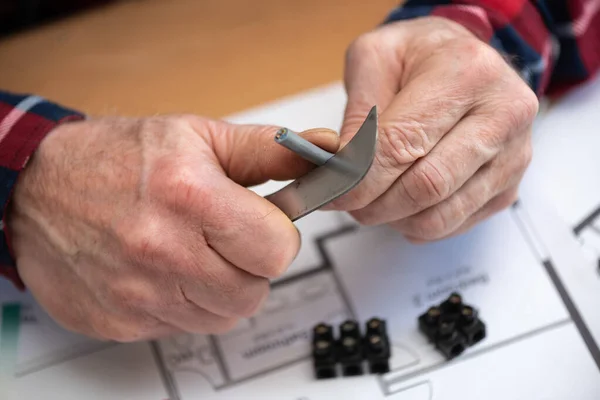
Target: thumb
{"x": 250, "y": 156}
{"x": 371, "y": 77}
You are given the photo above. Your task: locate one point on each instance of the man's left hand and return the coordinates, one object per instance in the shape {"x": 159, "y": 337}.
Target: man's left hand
{"x": 454, "y": 128}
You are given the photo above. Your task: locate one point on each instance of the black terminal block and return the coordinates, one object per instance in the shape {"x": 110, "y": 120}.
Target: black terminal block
{"x": 349, "y": 328}
{"x": 376, "y": 326}
{"x": 350, "y": 347}
{"x": 324, "y": 352}
{"x": 450, "y": 342}
{"x": 469, "y": 324}
{"x": 452, "y": 305}
{"x": 429, "y": 321}
{"x": 323, "y": 331}
{"x": 351, "y": 356}
{"x": 377, "y": 346}
{"x": 452, "y": 326}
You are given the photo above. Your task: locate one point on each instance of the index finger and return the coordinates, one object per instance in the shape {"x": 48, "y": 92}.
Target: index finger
{"x": 248, "y": 230}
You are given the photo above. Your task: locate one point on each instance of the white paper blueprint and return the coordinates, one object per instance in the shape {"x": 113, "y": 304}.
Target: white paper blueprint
{"x": 567, "y": 153}
{"x": 567, "y": 164}
{"x": 517, "y": 268}
{"x": 564, "y": 178}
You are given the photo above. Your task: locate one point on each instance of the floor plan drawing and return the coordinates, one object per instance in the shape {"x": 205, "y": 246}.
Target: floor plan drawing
{"x": 566, "y": 162}
{"x": 564, "y": 172}
{"x": 374, "y": 272}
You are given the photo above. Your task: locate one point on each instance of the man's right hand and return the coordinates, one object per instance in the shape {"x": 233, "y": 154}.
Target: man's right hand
{"x": 128, "y": 229}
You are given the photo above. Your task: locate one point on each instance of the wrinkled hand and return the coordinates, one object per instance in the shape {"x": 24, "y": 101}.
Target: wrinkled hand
{"x": 129, "y": 229}
{"x": 454, "y": 128}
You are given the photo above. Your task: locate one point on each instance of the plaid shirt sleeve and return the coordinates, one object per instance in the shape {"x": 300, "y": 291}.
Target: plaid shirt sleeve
{"x": 24, "y": 121}
{"x": 554, "y": 44}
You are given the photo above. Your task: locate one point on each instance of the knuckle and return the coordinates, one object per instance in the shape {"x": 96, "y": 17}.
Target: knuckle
{"x": 502, "y": 202}
{"x": 250, "y": 302}
{"x": 484, "y": 62}
{"x": 493, "y": 135}
{"x": 239, "y": 297}
{"x": 514, "y": 115}
{"x": 511, "y": 170}
{"x": 508, "y": 200}
{"x": 130, "y": 296}
{"x": 183, "y": 190}
{"x": 113, "y": 330}
{"x": 277, "y": 251}
{"x": 430, "y": 226}
{"x": 142, "y": 241}
{"x": 364, "y": 218}
{"x": 403, "y": 142}
{"x": 530, "y": 103}
{"x": 427, "y": 184}
{"x": 517, "y": 114}
{"x": 362, "y": 45}
{"x": 525, "y": 158}
{"x": 278, "y": 260}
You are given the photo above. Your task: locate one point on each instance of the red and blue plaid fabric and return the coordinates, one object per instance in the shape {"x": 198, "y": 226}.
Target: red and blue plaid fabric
{"x": 554, "y": 44}
{"x": 24, "y": 121}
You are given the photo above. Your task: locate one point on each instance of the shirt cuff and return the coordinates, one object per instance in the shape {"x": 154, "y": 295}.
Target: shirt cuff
{"x": 25, "y": 120}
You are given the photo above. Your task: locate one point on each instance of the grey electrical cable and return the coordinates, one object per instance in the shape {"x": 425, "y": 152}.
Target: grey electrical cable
{"x": 302, "y": 147}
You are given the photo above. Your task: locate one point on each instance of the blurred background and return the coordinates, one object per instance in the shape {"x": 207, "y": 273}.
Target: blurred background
{"x": 209, "y": 57}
